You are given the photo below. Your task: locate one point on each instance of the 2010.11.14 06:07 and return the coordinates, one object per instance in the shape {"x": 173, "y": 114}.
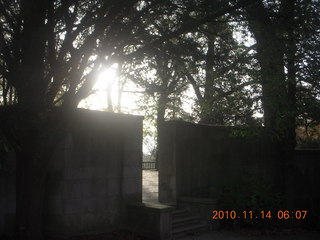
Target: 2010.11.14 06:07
{"x": 264, "y": 214}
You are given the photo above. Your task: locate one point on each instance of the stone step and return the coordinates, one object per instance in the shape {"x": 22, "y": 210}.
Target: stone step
{"x": 192, "y": 229}
{"x": 180, "y": 213}
{"x": 184, "y": 223}
{"x": 150, "y": 188}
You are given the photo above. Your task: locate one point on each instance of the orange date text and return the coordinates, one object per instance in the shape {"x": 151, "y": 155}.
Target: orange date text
{"x": 265, "y": 214}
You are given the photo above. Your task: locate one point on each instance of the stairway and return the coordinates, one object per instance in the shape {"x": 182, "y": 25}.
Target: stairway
{"x": 184, "y": 223}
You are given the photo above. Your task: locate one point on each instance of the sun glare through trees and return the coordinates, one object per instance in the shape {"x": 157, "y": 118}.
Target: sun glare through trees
{"x": 110, "y": 93}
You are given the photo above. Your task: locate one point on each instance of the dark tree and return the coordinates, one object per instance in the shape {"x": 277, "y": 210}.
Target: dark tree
{"x": 219, "y": 75}
{"x": 284, "y": 32}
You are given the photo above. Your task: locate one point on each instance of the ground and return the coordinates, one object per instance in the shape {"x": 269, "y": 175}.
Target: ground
{"x": 217, "y": 235}
{"x": 255, "y": 235}
{"x": 150, "y": 187}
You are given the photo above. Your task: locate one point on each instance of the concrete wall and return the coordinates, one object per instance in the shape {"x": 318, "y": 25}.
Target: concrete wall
{"x": 7, "y": 195}
{"x": 152, "y": 220}
{"x": 303, "y": 184}
{"x": 198, "y": 160}
{"x": 95, "y": 172}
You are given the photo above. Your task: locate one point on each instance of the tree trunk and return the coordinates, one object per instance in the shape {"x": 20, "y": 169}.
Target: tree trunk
{"x": 288, "y": 9}
{"x": 278, "y": 91}
{"x": 206, "y": 102}
{"x": 161, "y": 110}
{"x": 270, "y": 54}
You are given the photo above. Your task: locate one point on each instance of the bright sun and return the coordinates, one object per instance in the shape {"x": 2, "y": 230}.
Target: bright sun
{"x": 106, "y": 93}
{"x": 106, "y": 79}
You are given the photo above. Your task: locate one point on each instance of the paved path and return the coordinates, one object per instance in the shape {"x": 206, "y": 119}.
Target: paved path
{"x": 150, "y": 186}
{"x": 230, "y": 235}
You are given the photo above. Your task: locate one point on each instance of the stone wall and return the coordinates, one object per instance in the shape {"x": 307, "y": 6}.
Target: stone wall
{"x": 198, "y": 160}
{"x": 94, "y": 173}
